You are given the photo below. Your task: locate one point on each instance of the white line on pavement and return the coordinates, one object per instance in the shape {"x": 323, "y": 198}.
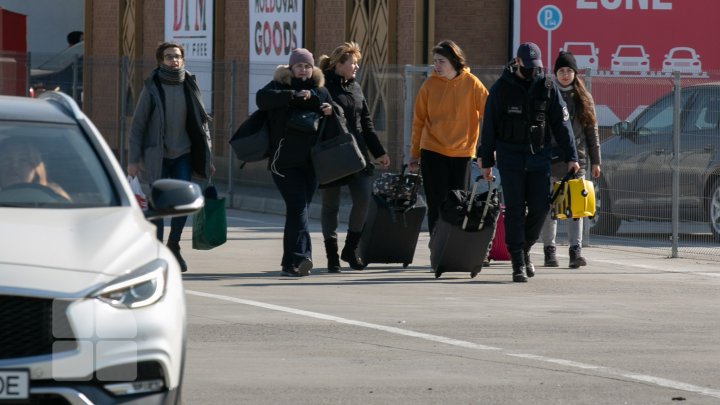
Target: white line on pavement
{"x": 661, "y": 382}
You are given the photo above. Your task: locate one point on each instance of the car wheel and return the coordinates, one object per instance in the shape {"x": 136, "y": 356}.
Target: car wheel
{"x": 714, "y": 210}
{"x": 604, "y": 222}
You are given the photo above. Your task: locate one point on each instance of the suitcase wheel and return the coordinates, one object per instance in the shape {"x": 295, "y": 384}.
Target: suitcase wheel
{"x": 438, "y": 271}
{"x": 475, "y": 271}
{"x": 405, "y": 265}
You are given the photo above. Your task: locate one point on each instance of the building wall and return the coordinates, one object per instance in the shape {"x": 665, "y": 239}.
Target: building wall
{"x": 479, "y": 26}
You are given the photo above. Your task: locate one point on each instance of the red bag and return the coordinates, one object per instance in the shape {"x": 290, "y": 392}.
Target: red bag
{"x": 498, "y": 248}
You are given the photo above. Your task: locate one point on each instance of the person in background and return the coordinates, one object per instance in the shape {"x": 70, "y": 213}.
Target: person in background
{"x": 587, "y": 141}
{"x": 170, "y": 134}
{"x": 523, "y": 110}
{"x": 297, "y": 86}
{"x": 340, "y": 69}
{"x": 75, "y": 37}
{"x": 446, "y": 125}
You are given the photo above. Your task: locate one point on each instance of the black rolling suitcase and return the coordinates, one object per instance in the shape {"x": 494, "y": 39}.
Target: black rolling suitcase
{"x": 394, "y": 219}
{"x": 464, "y": 230}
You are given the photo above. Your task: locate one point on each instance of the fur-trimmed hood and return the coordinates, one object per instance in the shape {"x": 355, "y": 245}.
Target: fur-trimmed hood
{"x": 283, "y": 74}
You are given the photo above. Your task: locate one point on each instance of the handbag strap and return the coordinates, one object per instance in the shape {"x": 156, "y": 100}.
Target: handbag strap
{"x": 321, "y": 130}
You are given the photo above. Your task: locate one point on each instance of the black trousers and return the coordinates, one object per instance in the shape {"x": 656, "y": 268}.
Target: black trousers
{"x": 526, "y": 205}
{"x": 440, "y": 175}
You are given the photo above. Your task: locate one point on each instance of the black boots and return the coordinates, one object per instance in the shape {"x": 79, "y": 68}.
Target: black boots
{"x": 331, "y": 251}
{"x": 529, "y": 267}
{"x": 174, "y": 247}
{"x": 350, "y": 251}
{"x": 518, "y": 265}
{"x": 550, "y": 257}
{"x": 576, "y": 259}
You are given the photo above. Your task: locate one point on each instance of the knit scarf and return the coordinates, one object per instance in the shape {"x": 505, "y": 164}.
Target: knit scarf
{"x": 171, "y": 76}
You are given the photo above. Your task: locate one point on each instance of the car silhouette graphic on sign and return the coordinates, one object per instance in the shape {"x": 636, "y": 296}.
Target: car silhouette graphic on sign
{"x": 630, "y": 58}
{"x": 682, "y": 59}
{"x": 586, "y": 54}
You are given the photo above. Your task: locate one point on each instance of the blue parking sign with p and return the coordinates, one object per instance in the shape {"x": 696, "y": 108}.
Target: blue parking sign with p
{"x": 549, "y": 17}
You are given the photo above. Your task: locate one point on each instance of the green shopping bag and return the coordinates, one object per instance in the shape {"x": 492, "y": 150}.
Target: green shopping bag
{"x": 210, "y": 223}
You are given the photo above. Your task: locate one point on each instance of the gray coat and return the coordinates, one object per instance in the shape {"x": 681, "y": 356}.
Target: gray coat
{"x": 146, "y": 145}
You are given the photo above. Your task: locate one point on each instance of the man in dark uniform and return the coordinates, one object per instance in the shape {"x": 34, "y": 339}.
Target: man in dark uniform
{"x": 522, "y": 111}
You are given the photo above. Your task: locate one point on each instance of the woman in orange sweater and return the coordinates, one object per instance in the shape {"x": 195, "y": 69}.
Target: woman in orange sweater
{"x": 446, "y": 125}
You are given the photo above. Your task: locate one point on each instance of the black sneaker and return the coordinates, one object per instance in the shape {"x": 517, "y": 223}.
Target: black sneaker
{"x": 303, "y": 268}
{"x": 289, "y": 272}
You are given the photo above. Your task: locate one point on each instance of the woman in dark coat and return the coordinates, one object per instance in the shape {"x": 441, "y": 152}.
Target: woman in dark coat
{"x": 297, "y": 86}
{"x": 170, "y": 135}
{"x": 339, "y": 69}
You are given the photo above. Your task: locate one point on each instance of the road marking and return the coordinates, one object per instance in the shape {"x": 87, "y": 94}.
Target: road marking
{"x": 656, "y": 267}
{"x": 661, "y": 382}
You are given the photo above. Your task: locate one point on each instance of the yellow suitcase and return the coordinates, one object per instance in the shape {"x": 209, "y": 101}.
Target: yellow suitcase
{"x": 573, "y": 198}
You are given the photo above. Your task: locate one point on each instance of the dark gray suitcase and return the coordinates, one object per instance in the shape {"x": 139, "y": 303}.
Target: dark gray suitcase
{"x": 460, "y": 245}
{"x": 390, "y": 234}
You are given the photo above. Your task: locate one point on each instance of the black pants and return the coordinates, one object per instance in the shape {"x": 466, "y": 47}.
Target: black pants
{"x": 526, "y": 205}
{"x": 440, "y": 175}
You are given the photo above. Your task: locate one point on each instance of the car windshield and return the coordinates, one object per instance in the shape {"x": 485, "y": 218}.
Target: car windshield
{"x": 631, "y": 52}
{"x": 51, "y": 166}
{"x": 580, "y": 49}
{"x": 682, "y": 54}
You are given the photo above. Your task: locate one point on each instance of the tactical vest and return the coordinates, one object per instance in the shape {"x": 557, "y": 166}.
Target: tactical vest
{"x": 525, "y": 120}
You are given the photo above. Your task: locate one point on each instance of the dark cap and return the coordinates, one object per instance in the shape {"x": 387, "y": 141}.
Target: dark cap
{"x": 530, "y": 55}
{"x": 565, "y": 59}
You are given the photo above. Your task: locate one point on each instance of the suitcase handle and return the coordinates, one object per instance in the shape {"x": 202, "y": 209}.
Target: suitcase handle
{"x": 565, "y": 179}
{"x": 491, "y": 191}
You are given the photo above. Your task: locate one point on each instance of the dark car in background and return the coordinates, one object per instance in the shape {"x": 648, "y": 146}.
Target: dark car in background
{"x": 638, "y": 161}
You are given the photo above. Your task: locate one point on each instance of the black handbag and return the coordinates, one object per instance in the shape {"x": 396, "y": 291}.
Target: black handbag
{"x": 338, "y": 156}
{"x": 251, "y": 141}
{"x": 303, "y": 120}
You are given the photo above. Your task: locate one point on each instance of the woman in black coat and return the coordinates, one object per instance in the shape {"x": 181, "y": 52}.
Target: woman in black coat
{"x": 339, "y": 69}
{"x": 295, "y": 87}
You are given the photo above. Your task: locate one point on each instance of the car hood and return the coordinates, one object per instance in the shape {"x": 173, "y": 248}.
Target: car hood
{"x": 70, "y": 252}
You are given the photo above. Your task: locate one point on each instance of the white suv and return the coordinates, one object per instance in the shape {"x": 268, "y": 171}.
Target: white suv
{"x": 91, "y": 303}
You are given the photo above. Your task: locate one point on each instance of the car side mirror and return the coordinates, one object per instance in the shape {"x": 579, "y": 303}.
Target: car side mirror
{"x": 621, "y": 128}
{"x": 173, "y": 198}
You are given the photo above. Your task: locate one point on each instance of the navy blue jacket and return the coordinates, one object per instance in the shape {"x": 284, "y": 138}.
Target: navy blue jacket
{"x": 509, "y": 92}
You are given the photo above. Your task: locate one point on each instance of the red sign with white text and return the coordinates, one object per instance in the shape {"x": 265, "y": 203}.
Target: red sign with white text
{"x": 624, "y": 40}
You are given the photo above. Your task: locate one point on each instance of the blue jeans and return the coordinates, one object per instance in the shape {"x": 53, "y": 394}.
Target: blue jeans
{"x": 297, "y": 188}
{"x": 178, "y": 168}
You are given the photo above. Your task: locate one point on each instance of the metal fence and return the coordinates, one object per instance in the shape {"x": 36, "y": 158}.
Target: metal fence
{"x": 660, "y": 131}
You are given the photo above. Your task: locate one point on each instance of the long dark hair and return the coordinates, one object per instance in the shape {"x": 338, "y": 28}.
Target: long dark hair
{"x": 452, "y": 52}
{"x": 586, "y": 113}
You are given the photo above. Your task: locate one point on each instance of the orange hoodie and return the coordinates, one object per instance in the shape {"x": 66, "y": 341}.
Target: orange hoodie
{"x": 447, "y": 114}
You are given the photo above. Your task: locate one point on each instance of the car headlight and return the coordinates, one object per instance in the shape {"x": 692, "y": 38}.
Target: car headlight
{"x": 139, "y": 288}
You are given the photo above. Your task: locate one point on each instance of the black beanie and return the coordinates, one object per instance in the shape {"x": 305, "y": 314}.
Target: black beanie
{"x": 565, "y": 59}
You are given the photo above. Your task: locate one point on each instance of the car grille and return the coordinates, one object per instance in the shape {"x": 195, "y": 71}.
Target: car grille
{"x": 31, "y": 326}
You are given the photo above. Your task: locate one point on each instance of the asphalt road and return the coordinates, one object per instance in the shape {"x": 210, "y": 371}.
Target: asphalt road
{"x": 630, "y": 328}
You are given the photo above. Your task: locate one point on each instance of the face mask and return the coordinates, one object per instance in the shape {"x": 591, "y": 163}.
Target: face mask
{"x": 529, "y": 73}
